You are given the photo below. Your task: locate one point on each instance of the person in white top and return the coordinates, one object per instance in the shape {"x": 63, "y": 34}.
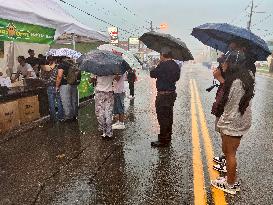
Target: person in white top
{"x": 119, "y": 95}
{"x": 235, "y": 110}
{"x": 24, "y": 69}
{"x": 104, "y": 101}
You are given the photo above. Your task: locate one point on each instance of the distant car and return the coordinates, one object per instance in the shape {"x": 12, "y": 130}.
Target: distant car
{"x": 207, "y": 64}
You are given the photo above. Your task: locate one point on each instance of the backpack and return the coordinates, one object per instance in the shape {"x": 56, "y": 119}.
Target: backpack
{"x": 73, "y": 76}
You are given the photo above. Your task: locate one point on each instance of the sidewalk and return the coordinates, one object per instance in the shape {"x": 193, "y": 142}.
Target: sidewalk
{"x": 71, "y": 164}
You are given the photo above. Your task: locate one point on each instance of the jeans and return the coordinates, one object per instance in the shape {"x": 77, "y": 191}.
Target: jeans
{"x": 54, "y": 100}
{"x": 69, "y": 96}
{"x": 118, "y": 103}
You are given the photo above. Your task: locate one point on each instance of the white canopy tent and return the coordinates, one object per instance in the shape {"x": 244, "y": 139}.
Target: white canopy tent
{"x": 46, "y": 13}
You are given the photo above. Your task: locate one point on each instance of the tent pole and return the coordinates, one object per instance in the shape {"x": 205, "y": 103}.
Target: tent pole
{"x": 73, "y": 41}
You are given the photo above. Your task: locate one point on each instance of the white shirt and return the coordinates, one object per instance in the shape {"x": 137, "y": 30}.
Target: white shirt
{"x": 119, "y": 85}
{"x": 104, "y": 83}
{"x": 25, "y": 69}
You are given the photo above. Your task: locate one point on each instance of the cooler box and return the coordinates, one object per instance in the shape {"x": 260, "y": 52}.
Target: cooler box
{"x": 28, "y": 109}
{"x": 9, "y": 116}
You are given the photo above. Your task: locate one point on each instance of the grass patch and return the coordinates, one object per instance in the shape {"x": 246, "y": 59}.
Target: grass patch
{"x": 262, "y": 71}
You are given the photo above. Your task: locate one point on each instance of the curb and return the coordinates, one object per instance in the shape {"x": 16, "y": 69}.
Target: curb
{"x": 34, "y": 124}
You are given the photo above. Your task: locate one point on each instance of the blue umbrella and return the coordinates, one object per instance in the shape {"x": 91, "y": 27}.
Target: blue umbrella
{"x": 103, "y": 63}
{"x": 219, "y": 35}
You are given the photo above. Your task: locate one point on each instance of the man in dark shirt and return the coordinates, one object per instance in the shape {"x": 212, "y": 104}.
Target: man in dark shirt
{"x": 33, "y": 61}
{"x": 131, "y": 77}
{"x": 167, "y": 74}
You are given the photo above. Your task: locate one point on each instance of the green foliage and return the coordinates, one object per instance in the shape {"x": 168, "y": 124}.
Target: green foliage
{"x": 81, "y": 47}
{"x": 85, "y": 88}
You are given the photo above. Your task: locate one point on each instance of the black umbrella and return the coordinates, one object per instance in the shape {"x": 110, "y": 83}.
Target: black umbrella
{"x": 156, "y": 41}
{"x": 103, "y": 63}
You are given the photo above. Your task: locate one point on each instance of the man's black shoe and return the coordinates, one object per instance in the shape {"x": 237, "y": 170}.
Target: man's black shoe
{"x": 160, "y": 144}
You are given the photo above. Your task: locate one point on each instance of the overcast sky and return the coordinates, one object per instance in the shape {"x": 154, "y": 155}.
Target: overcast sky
{"x": 180, "y": 15}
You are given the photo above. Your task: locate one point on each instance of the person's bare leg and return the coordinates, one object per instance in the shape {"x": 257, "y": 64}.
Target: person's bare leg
{"x": 223, "y": 145}
{"x": 231, "y": 145}
{"x": 116, "y": 118}
{"x": 121, "y": 118}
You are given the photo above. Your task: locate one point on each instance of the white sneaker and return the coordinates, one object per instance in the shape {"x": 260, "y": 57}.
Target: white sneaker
{"x": 220, "y": 168}
{"x": 220, "y": 160}
{"x": 131, "y": 97}
{"x": 221, "y": 183}
{"x": 115, "y": 124}
{"x": 118, "y": 126}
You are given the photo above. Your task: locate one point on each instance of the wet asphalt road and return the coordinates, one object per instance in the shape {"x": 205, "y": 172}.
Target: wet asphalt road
{"x": 71, "y": 164}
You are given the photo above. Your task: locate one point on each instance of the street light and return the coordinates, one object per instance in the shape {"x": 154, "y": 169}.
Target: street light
{"x": 163, "y": 26}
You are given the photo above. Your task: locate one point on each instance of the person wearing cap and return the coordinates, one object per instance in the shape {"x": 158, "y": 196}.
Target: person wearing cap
{"x": 167, "y": 73}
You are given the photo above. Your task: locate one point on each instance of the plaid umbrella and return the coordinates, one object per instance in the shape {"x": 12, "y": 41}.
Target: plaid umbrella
{"x": 64, "y": 52}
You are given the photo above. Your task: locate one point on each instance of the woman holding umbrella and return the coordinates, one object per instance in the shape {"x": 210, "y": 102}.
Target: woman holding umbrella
{"x": 235, "y": 106}
{"x": 244, "y": 48}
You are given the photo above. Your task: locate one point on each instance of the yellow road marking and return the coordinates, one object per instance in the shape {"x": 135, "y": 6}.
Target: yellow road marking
{"x": 200, "y": 197}
{"x": 218, "y": 195}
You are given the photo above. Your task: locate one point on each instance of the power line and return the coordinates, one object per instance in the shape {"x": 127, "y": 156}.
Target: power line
{"x": 252, "y": 11}
{"x": 130, "y": 11}
{"x": 108, "y": 12}
{"x": 99, "y": 19}
{"x": 241, "y": 13}
{"x": 258, "y": 29}
{"x": 259, "y": 4}
{"x": 264, "y": 19}
{"x": 268, "y": 34}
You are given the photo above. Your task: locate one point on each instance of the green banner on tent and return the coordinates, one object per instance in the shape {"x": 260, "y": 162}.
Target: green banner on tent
{"x": 23, "y": 32}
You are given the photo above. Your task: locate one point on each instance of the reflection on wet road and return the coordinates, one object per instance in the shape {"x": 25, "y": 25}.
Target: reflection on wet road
{"x": 71, "y": 164}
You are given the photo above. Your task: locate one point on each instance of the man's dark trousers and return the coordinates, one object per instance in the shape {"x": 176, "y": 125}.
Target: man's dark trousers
{"x": 132, "y": 88}
{"x": 164, "y": 110}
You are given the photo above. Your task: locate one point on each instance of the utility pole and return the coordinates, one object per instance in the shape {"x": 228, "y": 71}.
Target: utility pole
{"x": 151, "y": 26}
{"x": 250, "y": 15}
